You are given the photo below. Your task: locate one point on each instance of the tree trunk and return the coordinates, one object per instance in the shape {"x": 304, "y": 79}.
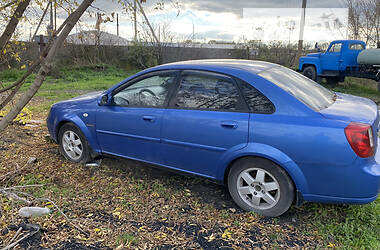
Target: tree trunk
{"x": 17, "y": 85}
{"x": 46, "y": 66}
{"x": 8, "y": 32}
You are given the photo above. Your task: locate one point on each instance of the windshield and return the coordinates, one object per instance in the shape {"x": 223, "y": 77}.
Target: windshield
{"x": 304, "y": 89}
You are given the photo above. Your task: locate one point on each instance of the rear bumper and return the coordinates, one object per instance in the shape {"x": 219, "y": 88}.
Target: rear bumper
{"x": 358, "y": 183}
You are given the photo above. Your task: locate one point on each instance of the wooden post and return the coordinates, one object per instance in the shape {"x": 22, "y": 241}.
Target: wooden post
{"x": 42, "y": 43}
{"x": 117, "y": 24}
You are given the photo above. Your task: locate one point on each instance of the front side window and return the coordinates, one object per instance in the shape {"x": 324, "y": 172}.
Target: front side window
{"x": 148, "y": 92}
{"x": 304, "y": 89}
{"x": 256, "y": 101}
{"x": 336, "y": 47}
{"x": 203, "y": 91}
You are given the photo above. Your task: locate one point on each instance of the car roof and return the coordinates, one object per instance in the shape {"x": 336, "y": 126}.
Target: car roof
{"x": 348, "y": 41}
{"x": 246, "y": 65}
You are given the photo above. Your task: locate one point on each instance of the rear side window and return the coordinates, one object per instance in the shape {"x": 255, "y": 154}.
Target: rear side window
{"x": 256, "y": 101}
{"x": 356, "y": 46}
{"x": 304, "y": 89}
{"x": 202, "y": 91}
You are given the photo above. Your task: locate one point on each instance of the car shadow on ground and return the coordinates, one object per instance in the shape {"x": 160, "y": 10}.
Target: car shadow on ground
{"x": 206, "y": 191}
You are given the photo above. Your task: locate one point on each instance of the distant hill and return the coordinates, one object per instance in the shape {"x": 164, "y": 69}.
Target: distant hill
{"x": 93, "y": 37}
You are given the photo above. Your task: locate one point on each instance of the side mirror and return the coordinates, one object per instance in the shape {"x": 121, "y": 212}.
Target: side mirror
{"x": 104, "y": 100}
{"x": 316, "y": 47}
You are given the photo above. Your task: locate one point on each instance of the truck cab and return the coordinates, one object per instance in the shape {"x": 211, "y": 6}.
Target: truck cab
{"x": 333, "y": 64}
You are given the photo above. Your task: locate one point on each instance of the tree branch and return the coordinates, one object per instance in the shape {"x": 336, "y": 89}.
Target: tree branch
{"x": 7, "y": 5}
{"x": 9, "y": 30}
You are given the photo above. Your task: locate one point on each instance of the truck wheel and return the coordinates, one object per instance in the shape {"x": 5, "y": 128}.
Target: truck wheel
{"x": 332, "y": 80}
{"x": 310, "y": 72}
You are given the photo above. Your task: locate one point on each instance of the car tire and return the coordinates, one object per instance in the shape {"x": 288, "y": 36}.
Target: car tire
{"x": 73, "y": 144}
{"x": 259, "y": 185}
{"x": 310, "y": 72}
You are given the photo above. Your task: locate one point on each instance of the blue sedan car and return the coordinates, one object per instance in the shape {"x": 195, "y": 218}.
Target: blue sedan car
{"x": 270, "y": 134}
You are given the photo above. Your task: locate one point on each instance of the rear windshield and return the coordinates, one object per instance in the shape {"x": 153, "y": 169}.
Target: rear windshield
{"x": 304, "y": 89}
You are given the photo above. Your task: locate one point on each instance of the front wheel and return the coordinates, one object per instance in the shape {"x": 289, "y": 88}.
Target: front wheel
{"x": 259, "y": 185}
{"x": 72, "y": 144}
{"x": 310, "y": 72}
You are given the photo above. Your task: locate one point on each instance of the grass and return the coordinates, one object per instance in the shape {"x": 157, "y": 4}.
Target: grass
{"x": 126, "y": 239}
{"x": 359, "y": 87}
{"x": 68, "y": 82}
{"x": 346, "y": 227}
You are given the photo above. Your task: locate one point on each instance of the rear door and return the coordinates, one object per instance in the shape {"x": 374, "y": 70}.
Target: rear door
{"x": 206, "y": 119}
{"x": 131, "y": 125}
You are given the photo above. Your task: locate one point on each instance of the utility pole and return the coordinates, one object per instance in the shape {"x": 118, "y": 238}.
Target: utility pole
{"x": 302, "y": 28}
{"x": 55, "y": 15}
{"x": 135, "y": 18}
{"x": 42, "y": 18}
{"x": 51, "y": 19}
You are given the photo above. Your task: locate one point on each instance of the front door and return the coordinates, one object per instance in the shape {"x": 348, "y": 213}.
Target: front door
{"x": 206, "y": 120}
{"x": 331, "y": 60}
{"x": 130, "y": 127}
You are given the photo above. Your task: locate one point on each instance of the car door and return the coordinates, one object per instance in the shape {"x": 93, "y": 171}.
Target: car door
{"x": 350, "y": 55}
{"x": 130, "y": 125}
{"x": 331, "y": 60}
{"x": 206, "y": 120}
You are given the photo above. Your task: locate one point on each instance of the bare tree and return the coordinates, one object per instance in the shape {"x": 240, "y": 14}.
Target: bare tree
{"x": 364, "y": 20}
{"x": 46, "y": 64}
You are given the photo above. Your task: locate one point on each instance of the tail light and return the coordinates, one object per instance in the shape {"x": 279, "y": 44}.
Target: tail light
{"x": 360, "y": 137}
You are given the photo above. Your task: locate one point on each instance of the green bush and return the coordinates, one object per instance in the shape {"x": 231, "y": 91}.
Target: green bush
{"x": 11, "y": 75}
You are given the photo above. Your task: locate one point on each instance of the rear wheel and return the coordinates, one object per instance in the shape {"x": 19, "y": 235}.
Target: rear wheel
{"x": 73, "y": 144}
{"x": 259, "y": 185}
{"x": 310, "y": 72}
{"x": 332, "y": 80}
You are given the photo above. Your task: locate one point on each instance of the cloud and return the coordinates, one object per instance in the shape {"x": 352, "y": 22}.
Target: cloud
{"x": 222, "y": 6}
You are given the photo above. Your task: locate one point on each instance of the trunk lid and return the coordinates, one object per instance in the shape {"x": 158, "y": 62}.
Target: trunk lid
{"x": 353, "y": 109}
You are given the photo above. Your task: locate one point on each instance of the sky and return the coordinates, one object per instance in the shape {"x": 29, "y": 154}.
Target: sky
{"x": 226, "y": 20}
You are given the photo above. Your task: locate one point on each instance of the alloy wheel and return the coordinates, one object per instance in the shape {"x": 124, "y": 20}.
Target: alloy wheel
{"x": 72, "y": 145}
{"x": 258, "y": 188}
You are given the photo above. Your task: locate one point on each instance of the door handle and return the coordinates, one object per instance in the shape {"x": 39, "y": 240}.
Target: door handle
{"x": 229, "y": 124}
{"x": 148, "y": 118}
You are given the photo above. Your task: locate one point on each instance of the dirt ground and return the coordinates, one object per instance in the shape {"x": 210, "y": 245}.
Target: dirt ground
{"x": 124, "y": 204}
